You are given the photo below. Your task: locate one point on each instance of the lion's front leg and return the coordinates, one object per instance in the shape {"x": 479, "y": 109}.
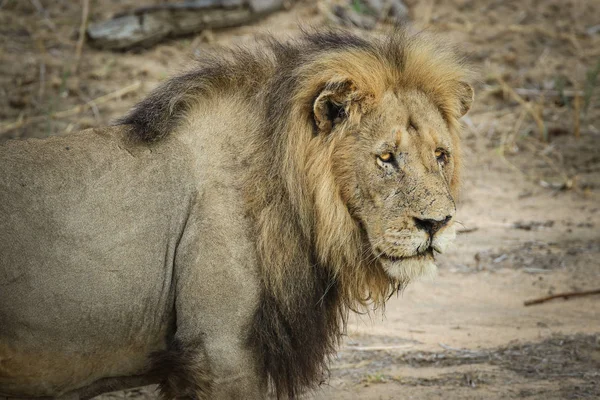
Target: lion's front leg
{"x": 235, "y": 372}
{"x": 217, "y": 293}
{"x": 219, "y": 368}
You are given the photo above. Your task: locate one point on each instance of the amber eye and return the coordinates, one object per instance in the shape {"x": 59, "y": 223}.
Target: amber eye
{"x": 386, "y": 157}
{"x": 441, "y": 155}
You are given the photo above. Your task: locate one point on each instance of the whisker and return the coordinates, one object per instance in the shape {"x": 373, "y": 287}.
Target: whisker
{"x": 460, "y": 223}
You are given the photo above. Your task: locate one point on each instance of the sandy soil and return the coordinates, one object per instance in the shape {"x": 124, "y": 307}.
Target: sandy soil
{"x": 530, "y": 206}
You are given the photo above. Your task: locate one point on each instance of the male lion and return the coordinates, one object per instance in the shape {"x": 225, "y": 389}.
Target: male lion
{"x": 214, "y": 240}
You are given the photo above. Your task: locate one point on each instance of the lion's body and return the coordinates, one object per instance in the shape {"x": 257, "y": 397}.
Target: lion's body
{"x": 79, "y": 242}
{"x": 97, "y": 236}
{"x": 214, "y": 240}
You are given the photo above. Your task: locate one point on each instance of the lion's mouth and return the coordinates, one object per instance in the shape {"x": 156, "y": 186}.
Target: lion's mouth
{"x": 410, "y": 267}
{"x": 427, "y": 253}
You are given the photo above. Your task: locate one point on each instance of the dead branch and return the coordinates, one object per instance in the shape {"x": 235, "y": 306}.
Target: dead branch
{"x": 85, "y": 13}
{"x": 565, "y": 296}
{"x": 576, "y": 115}
{"x": 527, "y": 105}
{"x": 21, "y": 122}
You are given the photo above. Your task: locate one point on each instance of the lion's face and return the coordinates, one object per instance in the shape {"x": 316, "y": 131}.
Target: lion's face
{"x": 397, "y": 173}
{"x": 404, "y": 182}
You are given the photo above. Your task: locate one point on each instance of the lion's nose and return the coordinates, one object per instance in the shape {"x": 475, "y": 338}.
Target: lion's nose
{"x": 432, "y": 225}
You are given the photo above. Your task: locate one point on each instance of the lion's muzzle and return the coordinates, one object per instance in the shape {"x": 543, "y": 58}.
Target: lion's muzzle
{"x": 409, "y": 253}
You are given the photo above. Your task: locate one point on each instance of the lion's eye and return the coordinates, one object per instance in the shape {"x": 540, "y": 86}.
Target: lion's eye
{"x": 441, "y": 155}
{"x": 386, "y": 157}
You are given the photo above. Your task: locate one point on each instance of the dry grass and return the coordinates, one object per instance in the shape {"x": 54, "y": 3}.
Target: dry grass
{"x": 91, "y": 104}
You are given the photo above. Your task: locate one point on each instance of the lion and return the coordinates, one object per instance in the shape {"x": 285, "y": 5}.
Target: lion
{"x": 214, "y": 240}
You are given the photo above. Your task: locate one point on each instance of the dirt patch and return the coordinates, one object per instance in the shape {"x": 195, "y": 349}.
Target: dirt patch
{"x": 571, "y": 362}
{"x": 540, "y": 257}
{"x": 558, "y": 356}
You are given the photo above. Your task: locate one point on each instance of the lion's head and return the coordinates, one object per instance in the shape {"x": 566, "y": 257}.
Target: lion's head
{"x": 395, "y": 162}
{"x": 372, "y": 156}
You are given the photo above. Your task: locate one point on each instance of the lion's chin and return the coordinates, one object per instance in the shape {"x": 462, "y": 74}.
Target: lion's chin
{"x": 410, "y": 268}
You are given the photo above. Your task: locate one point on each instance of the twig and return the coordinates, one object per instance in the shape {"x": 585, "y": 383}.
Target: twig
{"x": 40, "y": 9}
{"x": 577, "y": 111}
{"x": 467, "y": 230}
{"x": 532, "y": 111}
{"x": 94, "y": 108}
{"x": 565, "y": 296}
{"x": 548, "y": 92}
{"x": 516, "y": 129}
{"x": 21, "y": 122}
{"x": 85, "y": 13}
{"x": 42, "y": 80}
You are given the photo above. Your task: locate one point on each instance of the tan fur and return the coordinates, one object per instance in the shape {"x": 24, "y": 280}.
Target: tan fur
{"x": 217, "y": 239}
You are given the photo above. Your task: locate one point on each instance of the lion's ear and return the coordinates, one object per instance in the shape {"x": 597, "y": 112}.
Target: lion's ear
{"x": 328, "y": 111}
{"x": 466, "y": 96}
{"x": 332, "y": 105}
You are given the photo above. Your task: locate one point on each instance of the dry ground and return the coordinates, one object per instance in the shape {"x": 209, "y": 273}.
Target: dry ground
{"x": 530, "y": 208}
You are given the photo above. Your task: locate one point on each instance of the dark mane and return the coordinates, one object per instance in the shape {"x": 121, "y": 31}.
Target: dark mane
{"x": 158, "y": 114}
{"x": 245, "y": 69}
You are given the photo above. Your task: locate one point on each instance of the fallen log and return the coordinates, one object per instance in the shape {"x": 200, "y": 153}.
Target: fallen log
{"x": 146, "y": 26}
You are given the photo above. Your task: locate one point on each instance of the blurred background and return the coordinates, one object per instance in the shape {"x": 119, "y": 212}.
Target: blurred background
{"x": 530, "y": 207}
